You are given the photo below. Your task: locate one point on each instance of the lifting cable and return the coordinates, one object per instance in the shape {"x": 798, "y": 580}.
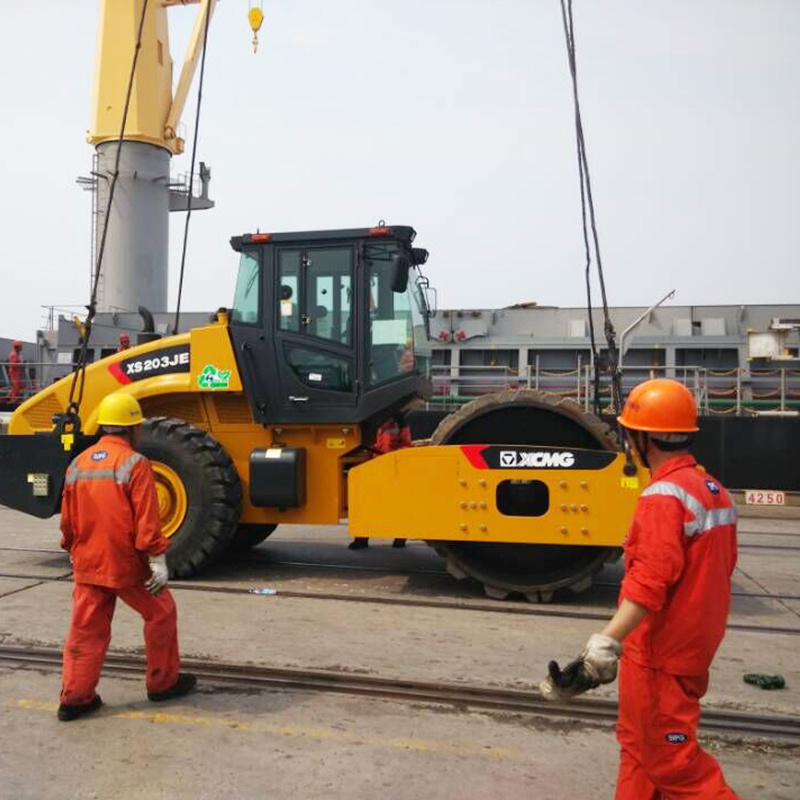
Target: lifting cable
{"x": 191, "y": 168}
{"x": 587, "y": 200}
{"x": 79, "y": 373}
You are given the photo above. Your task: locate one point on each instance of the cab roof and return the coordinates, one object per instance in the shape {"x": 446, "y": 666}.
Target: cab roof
{"x": 401, "y": 233}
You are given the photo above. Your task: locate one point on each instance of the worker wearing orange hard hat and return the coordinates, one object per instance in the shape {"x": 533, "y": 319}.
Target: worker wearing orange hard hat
{"x": 16, "y": 371}
{"x": 680, "y": 553}
{"x": 110, "y": 527}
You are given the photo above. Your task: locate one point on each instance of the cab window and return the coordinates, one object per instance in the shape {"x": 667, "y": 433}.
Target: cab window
{"x": 289, "y": 291}
{"x": 315, "y": 289}
{"x": 329, "y": 295}
{"x": 320, "y": 370}
{"x": 391, "y": 332}
{"x": 247, "y": 297}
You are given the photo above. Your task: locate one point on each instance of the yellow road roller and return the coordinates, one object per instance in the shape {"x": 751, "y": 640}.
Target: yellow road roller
{"x": 269, "y": 415}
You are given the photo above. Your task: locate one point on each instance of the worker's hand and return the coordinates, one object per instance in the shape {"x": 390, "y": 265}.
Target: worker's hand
{"x": 601, "y": 655}
{"x": 159, "y": 574}
{"x": 597, "y": 664}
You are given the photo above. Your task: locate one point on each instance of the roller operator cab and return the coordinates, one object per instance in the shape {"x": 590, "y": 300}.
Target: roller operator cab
{"x": 330, "y": 326}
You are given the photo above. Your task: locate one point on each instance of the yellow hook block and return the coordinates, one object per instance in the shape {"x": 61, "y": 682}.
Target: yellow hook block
{"x": 255, "y": 16}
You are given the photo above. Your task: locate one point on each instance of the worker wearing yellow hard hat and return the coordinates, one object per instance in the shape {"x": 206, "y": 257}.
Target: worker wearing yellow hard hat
{"x": 110, "y": 527}
{"x": 119, "y": 410}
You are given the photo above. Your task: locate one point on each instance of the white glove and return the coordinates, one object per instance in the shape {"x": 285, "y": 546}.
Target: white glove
{"x": 600, "y": 656}
{"x": 159, "y": 574}
{"x": 596, "y": 664}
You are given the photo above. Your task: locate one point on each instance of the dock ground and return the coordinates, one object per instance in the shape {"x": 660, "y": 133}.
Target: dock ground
{"x": 379, "y": 612}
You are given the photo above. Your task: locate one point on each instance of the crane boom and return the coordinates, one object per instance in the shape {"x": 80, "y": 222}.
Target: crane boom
{"x": 154, "y": 114}
{"x": 189, "y": 67}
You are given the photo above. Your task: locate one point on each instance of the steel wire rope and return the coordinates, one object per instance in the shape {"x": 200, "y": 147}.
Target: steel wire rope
{"x": 191, "y": 169}
{"x": 79, "y": 374}
{"x": 587, "y": 249}
{"x": 587, "y": 199}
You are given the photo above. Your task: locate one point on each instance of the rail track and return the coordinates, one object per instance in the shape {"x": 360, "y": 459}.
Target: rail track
{"x": 462, "y": 696}
{"x": 494, "y": 607}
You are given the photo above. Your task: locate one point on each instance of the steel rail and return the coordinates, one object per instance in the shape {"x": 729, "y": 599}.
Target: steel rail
{"x": 406, "y": 602}
{"x": 734, "y": 593}
{"x": 591, "y": 710}
{"x": 782, "y": 547}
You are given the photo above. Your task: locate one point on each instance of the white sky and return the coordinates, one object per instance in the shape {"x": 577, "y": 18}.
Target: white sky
{"x": 453, "y": 116}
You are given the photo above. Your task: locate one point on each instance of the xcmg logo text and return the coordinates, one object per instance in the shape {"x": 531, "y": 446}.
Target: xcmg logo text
{"x": 513, "y": 458}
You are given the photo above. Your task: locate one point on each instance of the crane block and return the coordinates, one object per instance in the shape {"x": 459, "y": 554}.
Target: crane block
{"x": 255, "y": 16}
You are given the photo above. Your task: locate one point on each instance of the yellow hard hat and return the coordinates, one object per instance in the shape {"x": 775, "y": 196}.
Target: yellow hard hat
{"x": 120, "y": 410}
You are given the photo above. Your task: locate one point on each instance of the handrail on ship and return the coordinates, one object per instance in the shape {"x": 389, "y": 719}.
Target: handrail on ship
{"x": 737, "y": 390}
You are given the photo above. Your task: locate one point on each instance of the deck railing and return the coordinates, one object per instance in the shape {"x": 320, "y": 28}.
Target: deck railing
{"x": 733, "y": 391}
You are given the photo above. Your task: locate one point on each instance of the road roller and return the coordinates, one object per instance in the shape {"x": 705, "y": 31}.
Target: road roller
{"x": 270, "y": 414}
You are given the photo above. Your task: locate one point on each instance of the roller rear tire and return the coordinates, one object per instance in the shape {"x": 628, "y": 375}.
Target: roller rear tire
{"x": 211, "y": 486}
{"x": 249, "y": 535}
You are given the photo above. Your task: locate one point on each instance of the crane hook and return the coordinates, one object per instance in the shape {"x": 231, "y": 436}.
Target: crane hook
{"x": 255, "y": 16}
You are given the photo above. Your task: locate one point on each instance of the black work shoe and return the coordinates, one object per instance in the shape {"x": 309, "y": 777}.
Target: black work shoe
{"x": 185, "y": 683}
{"x": 66, "y": 713}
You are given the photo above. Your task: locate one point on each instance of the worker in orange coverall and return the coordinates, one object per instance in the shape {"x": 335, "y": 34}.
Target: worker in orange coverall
{"x": 679, "y": 556}
{"x": 16, "y": 371}
{"x": 110, "y": 527}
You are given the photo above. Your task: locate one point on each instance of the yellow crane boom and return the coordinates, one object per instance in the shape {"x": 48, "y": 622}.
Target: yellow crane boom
{"x": 154, "y": 113}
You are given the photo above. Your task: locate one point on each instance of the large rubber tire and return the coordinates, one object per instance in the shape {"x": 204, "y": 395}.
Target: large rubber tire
{"x": 249, "y": 535}
{"x": 213, "y": 491}
{"x": 529, "y": 418}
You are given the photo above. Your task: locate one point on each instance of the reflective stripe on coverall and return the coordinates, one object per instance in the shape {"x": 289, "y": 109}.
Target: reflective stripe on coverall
{"x": 110, "y": 525}
{"x": 679, "y": 557}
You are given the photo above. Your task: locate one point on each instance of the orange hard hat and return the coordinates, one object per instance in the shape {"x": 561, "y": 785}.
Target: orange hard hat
{"x": 660, "y": 406}
{"x": 17, "y": 344}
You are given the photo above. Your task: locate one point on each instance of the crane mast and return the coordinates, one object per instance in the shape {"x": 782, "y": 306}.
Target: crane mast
{"x": 135, "y": 265}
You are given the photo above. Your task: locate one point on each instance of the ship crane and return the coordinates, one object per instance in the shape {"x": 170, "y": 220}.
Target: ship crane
{"x": 135, "y": 264}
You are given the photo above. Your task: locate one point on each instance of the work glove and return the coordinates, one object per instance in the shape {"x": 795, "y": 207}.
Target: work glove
{"x": 159, "y": 574}
{"x": 597, "y": 664}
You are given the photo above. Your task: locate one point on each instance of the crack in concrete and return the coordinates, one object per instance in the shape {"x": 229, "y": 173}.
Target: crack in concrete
{"x": 23, "y": 589}
{"x": 768, "y": 592}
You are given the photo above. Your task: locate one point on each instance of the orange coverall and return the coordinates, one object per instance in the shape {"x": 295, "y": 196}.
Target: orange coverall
{"x": 16, "y": 372}
{"x": 392, "y": 436}
{"x": 679, "y": 556}
{"x": 109, "y": 525}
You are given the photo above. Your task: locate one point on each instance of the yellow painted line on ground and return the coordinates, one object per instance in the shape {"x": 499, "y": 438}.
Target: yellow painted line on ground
{"x": 287, "y": 731}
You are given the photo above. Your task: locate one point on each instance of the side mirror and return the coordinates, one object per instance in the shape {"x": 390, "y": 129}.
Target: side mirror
{"x": 400, "y": 268}
{"x": 429, "y": 295}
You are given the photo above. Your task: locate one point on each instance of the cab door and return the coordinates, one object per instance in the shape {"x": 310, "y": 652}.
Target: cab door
{"x": 316, "y": 339}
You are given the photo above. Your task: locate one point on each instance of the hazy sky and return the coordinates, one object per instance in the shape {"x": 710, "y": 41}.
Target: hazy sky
{"x": 453, "y": 116}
